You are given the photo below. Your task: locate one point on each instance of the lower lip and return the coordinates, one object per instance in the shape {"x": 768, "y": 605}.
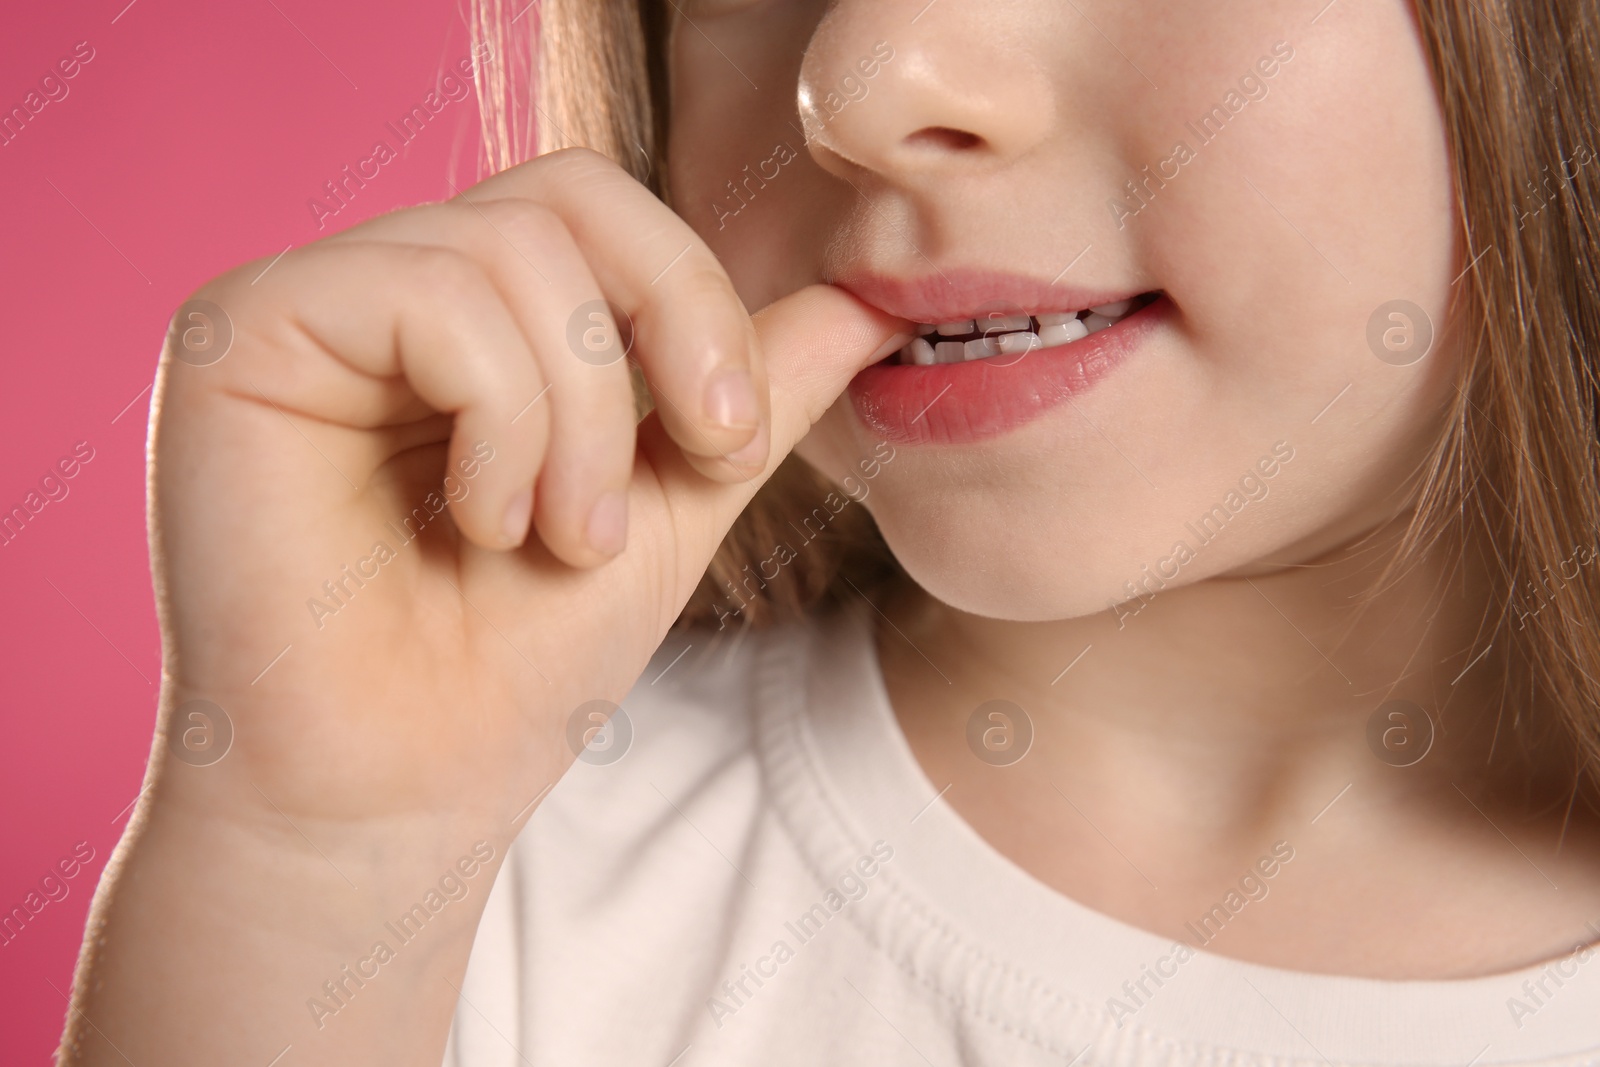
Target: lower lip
{"x": 960, "y": 403}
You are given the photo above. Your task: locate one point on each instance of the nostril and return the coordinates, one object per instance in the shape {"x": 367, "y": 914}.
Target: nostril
{"x": 944, "y": 137}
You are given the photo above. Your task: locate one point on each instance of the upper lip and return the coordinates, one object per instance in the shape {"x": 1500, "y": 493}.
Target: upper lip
{"x": 962, "y": 294}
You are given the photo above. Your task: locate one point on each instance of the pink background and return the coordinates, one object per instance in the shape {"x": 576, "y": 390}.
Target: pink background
{"x": 191, "y": 142}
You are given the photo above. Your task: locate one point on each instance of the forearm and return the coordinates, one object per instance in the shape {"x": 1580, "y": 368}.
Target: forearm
{"x": 210, "y": 944}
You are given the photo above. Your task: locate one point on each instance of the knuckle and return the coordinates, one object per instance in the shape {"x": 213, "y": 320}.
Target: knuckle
{"x": 703, "y": 281}
{"x": 578, "y": 158}
{"x": 528, "y": 225}
{"x": 442, "y": 273}
{"x": 723, "y": 335}
{"x": 583, "y": 170}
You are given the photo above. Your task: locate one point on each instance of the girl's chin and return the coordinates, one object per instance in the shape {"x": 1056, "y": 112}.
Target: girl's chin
{"x": 1005, "y": 585}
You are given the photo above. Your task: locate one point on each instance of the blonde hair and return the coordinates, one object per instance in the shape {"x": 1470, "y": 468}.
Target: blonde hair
{"x": 1515, "y": 475}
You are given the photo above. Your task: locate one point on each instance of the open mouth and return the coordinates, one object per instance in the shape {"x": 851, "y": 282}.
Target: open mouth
{"x": 1004, "y": 334}
{"x": 969, "y": 380}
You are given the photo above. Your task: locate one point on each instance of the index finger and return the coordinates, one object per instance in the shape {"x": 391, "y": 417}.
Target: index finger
{"x": 816, "y": 340}
{"x": 693, "y": 336}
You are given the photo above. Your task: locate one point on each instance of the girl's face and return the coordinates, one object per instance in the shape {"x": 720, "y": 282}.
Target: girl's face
{"x": 1276, "y": 171}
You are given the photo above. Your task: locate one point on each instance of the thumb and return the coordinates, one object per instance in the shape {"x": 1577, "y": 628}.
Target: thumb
{"x": 813, "y": 342}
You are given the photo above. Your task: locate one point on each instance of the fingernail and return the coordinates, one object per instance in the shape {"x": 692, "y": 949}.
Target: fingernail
{"x": 607, "y": 531}
{"x": 753, "y": 454}
{"x": 518, "y": 512}
{"x": 731, "y": 400}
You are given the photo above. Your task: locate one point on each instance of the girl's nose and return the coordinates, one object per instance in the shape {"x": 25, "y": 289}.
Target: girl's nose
{"x": 909, "y": 90}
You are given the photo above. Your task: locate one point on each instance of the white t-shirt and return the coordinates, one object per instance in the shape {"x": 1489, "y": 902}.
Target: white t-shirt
{"x": 766, "y": 877}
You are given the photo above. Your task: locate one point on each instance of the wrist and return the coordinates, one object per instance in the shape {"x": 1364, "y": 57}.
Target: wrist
{"x": 210, "y": 937}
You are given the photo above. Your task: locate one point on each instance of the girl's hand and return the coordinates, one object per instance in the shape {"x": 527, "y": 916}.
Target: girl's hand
{"x": 458, "y": 354}
{"x": 370, "y": 661}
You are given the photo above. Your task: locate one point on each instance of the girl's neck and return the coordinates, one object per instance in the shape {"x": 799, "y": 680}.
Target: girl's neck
{"x": 1197, "y": 726}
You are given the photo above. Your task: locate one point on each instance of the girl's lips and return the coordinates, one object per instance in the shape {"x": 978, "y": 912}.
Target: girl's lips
{"x": 960, "y": 403}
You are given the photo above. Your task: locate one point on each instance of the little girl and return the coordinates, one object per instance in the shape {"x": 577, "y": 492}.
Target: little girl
{"x": 1127, "y": 597}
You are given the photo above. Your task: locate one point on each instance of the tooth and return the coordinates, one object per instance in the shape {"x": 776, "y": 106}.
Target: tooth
{"x": 1012, "y": 344}
{"x": 995, "y": 322}
{"x": 919, "y": 352}
{"x": 1112, "y": 311}
{"x": 981, "y": 348}
{"x": 925, "y": 328}
{"x": 949, "y": 352}
{"x": 1057, "y": 318}
{"x": 956, "y": 329}
{"x": 1097, "y": 322}
{"x": 1062, "y": 333}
